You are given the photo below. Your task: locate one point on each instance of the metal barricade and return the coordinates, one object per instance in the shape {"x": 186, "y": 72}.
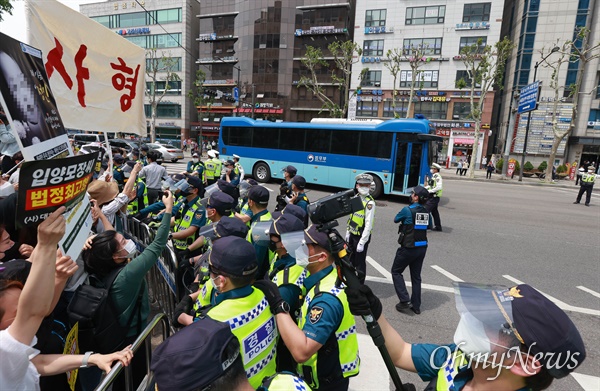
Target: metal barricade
{"x": 143, "y": 341}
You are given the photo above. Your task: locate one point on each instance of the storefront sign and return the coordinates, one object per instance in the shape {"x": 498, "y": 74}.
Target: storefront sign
{"x": 442, "y": 132}
{"x": 320, "y": 30}
{"x": 473, "y": 26}
{"x": 379, "y": 30}
{"x": 134, "y": 31}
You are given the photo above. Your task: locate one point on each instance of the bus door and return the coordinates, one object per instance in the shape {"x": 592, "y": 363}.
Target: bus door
{"x": 408, "y": 165}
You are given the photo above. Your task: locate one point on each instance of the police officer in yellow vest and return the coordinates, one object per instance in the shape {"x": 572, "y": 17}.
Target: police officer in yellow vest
{"x": 360, "y": 224}
{"x": 206, "y": 355}
{"x": 258, "y": 199}
{"x": 195, "y": 167}
{"x": 232, "y": 266}
{"x": 507, "y": 339}
{"x": 324, "y": 342}
{"x": 587, "y": 185}
{"x": 188, "y": 215}
{"x": 239, "y": 169}
{"x": 141, "y": 200}
{"x": 210, "y": 169}
{"x": 435, "y": 187}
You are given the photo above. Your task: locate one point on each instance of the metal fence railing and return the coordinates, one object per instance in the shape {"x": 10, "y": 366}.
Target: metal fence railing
{"x": 143, "y": 341}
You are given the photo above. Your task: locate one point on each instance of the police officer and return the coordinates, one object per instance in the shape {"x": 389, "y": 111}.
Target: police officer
{"x": 144, "y": 154}
{"x": 507, "y": 339}
{"x": 285, "y": 189}
{"x": 258, "y": 199}
{"x": 239, "y": 169}
{"x": 206, "y": 355}
{"x": 118, "y": 174}
{"x": 210, "y": 168}
{"x": 299, "y": 198}
{"x": 229, "y": 175}
{"x": 360, "y": 224}
{"x": 587, "y": 185}
{"x": 579, "y": 175}
{"x": 232, "y": 266}
{"x": 188, "y": 215}
{"x": 414, "y": 221}
{"x": 195, "y": 167}
{"x": 324, "y": 361}
{"x": 293, "y": 210}
{"x": 434, "y": 186}
{"x": 141, "y": 199}
{"x": 243, "y": 211}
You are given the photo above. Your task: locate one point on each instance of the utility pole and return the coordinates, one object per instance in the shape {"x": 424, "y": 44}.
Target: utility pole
{"x": 509, "y": 135}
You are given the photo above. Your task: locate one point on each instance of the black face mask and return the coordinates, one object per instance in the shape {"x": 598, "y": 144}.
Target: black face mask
{"x": 273, "y": 245}
{"x": 184, "y": 193}
{"x": 12, "y": 253}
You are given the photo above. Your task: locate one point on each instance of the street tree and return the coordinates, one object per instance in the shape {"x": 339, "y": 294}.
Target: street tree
{"x": 394, "y": 65}
{"x": 5, "y": 6}
{"x": 200, "y": 98}
{"x": 579, "y": 51}
{"x": 340, "y": 70}
{"x": 160, "y": 69}
{"x": 485, "y": 70}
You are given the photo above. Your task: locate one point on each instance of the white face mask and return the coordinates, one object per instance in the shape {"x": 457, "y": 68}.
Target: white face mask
{"x": 303, "y": 261}
{"x": 363, "y": 191}
{"x": 431, "y": 170}
{"x": 131, "y": 249}
{"x": 195, "y": 160}
{"x": 470, "y": 336}
{"x": 214, "y": 285}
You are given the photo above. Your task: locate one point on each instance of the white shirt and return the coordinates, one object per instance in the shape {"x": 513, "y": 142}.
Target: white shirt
{"x": 369, "y": 214}
{"x": 17, "y": 372}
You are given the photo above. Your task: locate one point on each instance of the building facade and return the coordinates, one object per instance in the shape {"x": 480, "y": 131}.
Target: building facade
{"x": 540, "y": 25}
{"x": 441, "y": 29}
{"x": 256, "y": 47}
{"x": 170, "y": 27}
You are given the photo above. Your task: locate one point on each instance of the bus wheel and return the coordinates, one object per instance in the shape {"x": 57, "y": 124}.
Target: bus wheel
{"x": 261, "y": 172}
{"x": 376, "y": 187}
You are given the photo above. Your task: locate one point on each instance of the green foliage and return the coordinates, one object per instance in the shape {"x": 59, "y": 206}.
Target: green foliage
{"x": 543, "y": 165}
{"x": 5, "y": 6}
{"x": 499, "y": 164}
{"x": 561, "y": 169}
{"x": 197, "y": 94}
{"x": 528, "y": 166}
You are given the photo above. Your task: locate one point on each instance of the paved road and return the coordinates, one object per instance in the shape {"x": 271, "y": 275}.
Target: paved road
{"x": 502, "y": 233}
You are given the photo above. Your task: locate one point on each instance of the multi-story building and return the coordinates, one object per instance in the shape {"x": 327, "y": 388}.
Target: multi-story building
{"x": 540, "y": 25}
{"x": 441, "y": 28}
{"x": 171, "y": 27}
{"x": 256, "y": 46}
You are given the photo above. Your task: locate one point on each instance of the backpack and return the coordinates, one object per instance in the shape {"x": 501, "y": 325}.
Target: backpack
{"x": 92, "y": 306}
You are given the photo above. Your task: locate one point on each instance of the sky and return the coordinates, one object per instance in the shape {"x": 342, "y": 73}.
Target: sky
{"x": 14, "y": 25}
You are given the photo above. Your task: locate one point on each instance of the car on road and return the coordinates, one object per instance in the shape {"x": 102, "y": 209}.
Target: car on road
{"x": 92, "y": 147}
{"x": 127, "y": 145}
{"x": 168, "y": 151}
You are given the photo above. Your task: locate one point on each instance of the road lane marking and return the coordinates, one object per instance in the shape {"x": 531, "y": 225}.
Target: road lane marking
{"x": 380, "y": 268}
{"x": 561, "y": 304}
{"x": 588, "y": 382}
{"x": 588, "y": 290}
{"x": 447, "y": 273}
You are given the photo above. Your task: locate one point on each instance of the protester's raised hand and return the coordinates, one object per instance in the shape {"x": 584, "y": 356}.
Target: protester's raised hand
{"x": 25, "y": 250}
{"x": 51, "y": 230}
{"x": 167, "y": 199}
{"x": 65, "y": 268}
{"x": 88, "y": 242}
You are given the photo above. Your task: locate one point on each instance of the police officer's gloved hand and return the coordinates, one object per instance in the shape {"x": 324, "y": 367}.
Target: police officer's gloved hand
{"x": 271, "y": 291}
{"x": 184, "y": 307}
{"x": 362, "y": 301}
{"x": 184, "y": 254}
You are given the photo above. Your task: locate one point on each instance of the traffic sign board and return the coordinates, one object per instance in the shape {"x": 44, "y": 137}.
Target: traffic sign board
{"x": 236, "y": 94}
{"x": 528, "y": 97}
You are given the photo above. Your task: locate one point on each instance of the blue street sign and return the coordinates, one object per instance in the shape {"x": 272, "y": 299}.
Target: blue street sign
{"x": 528, "y": 97}
{"x": 236, "y": 94}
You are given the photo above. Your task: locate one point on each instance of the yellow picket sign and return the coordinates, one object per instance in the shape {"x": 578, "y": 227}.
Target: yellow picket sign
{"x": 72, "y": 347}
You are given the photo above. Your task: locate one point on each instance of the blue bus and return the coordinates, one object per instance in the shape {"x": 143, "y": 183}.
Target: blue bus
{"x": 396, "y": 152}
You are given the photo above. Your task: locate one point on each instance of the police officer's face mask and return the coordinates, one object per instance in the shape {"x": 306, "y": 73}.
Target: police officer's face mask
{"x": 363, "y": 191}
{"x": 195, "y": 160}
{"x": 431, "y": 170}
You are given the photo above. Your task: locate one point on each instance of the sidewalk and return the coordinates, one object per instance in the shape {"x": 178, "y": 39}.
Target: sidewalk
{"x": 450, "y": 174}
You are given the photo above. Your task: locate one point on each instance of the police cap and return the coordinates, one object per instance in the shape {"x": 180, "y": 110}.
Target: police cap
{"x": 135, "y": 152}
{"x": 364, "y": 179}
{"x": 259, "y": 194}
{"x": 313, "y": 236}
{"x": 299, "y": 181}
{"x": 211, "y": 153}
{"x": 286, "y": 223}
{"x": 226, "y": 187}
{"x": 436, "y": 166}
{"x": 230, "y": 163}
{"x": 234, "y": 256}
{"x": 145, "y": 148}
{"x": 195, "y": 182}
{"x": 231, "y": 226}
{"x": 290, "y": 170}
{"x": 194, "y": 357}
{"x": 291, "y": 209}
{"x": 223, "y": 203}
{"x": 420, "y": 191}
{"x": 118, "y": 158}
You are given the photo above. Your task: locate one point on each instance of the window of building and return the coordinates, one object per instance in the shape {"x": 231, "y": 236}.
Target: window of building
{"x": 598, "y": 89}
{"x": 371, "y": 79}
{"x": 430, "y": 46}
{"x": 373, "y": 48}
{"x": 432, "y": 110}
{"x": 480, "y": 42}
{"x": 461, "y": 110}
{"x": 464, "y": 75}
{"x": 367, "y": 109}
{"x": 477, "y": 12}
{"x": 172, "y": 15}
{"x": 426, "y": 79}
{"x": 425, "y": 15}
{"x": 401, "y": 108}
{"x": 174, "y": 87}
{"x": 176, "y": 66}
{"x": 164, "y": 110}
{"x": 375, "y": 18}
{"x": 132, "y": 20}
{"x": 103, "y": 20}
{"x": 159, "y": 41}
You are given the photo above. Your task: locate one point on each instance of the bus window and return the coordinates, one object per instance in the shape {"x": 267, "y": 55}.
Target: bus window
{"x": 292, "y": 139}
{"x": 318, "y": 140}
{"x": 400, "y": 166}
{"x": 237, "y": 136}
{"x": 376, "y": 144}
{"x": 345, "y": 142}
{"x": 265, "y": 138}
{"x": 415, "y": 165}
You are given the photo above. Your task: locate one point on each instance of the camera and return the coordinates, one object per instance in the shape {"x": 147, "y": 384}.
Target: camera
{"x": 334, "y": 206}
